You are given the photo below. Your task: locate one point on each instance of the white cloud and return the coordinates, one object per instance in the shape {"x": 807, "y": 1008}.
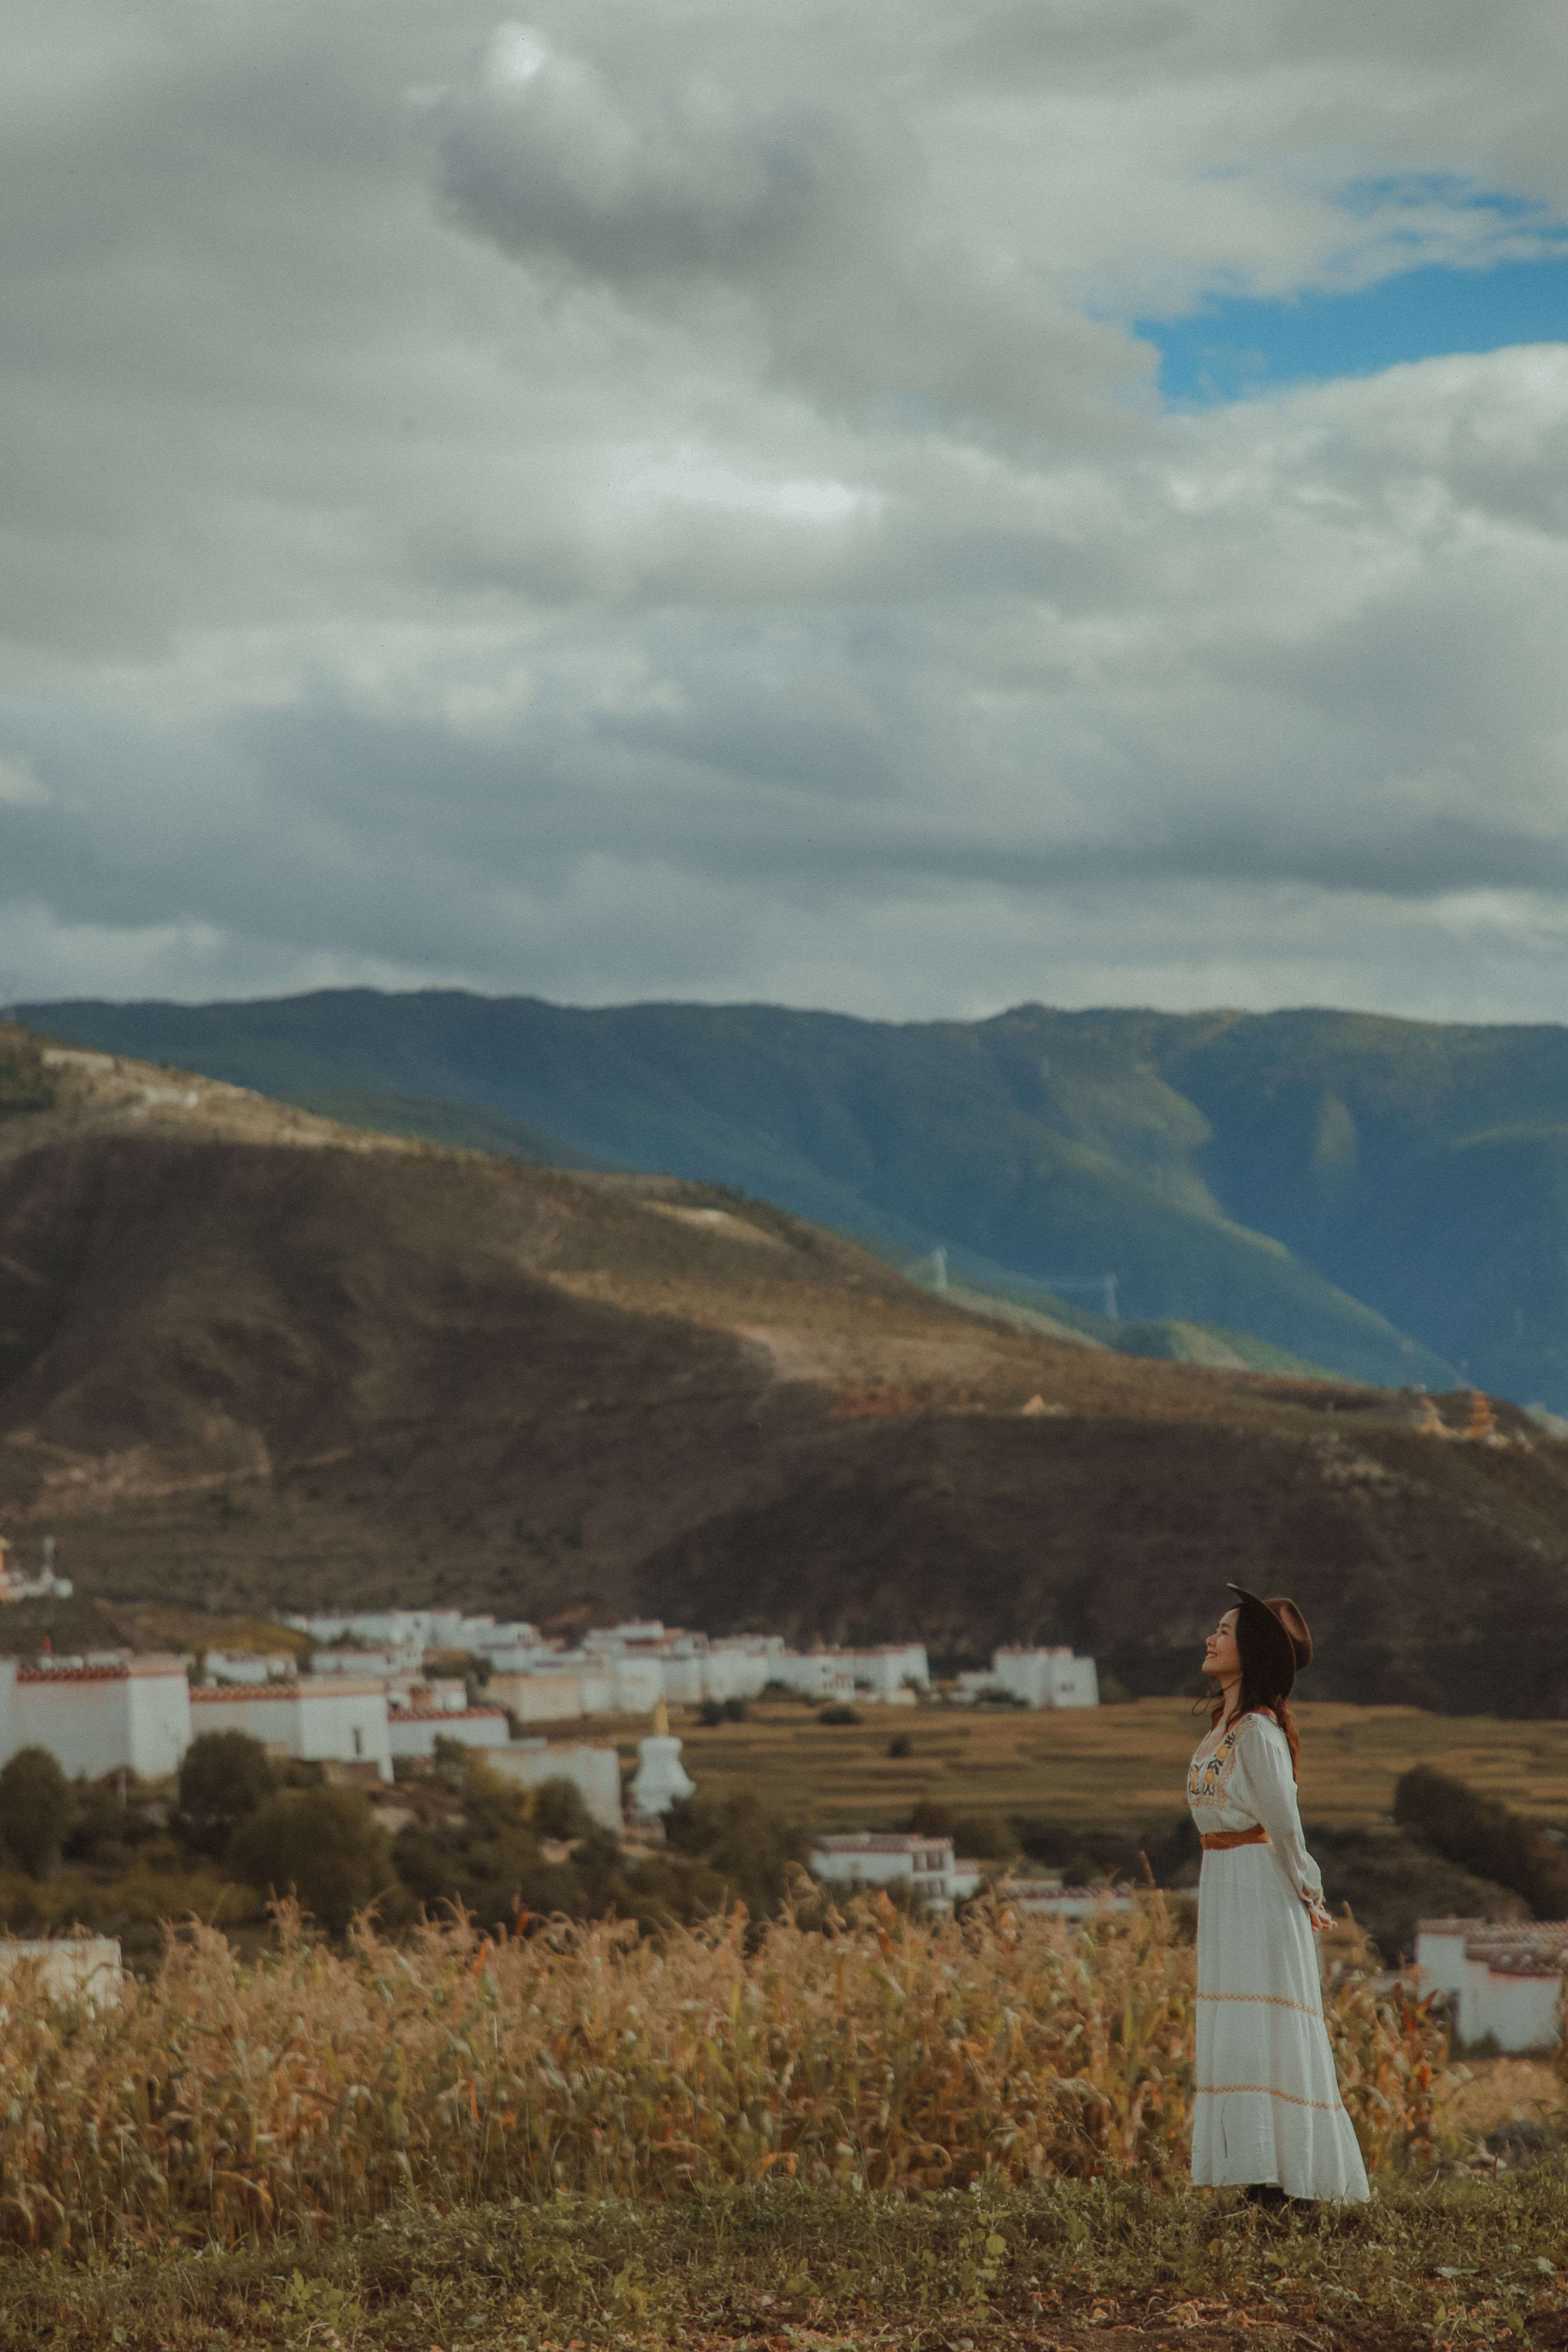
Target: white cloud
{"x": 667, "y": 512}
{"x": 19, "y": 784}
{"x": 516, "y": 55}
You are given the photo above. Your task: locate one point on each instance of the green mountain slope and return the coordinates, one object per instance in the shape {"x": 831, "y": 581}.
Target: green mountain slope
{"x": 462, "y": 1127}
{"x": 1383, "y": 1197}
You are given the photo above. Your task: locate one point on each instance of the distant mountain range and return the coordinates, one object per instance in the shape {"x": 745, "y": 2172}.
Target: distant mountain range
{"x": 1385, "y": 1198}
{"x": 251, "y": 1360}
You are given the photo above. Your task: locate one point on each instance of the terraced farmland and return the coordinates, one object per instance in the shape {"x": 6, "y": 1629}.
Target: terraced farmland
{"x": 1105, "y": 1767}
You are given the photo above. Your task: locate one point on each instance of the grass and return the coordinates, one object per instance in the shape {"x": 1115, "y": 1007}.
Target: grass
{"x": 944, "y": 2134}
{"x": 1105, "y": 1768}
{"x": 1457, "y": 2262}
{"x": 228, "y": 2102}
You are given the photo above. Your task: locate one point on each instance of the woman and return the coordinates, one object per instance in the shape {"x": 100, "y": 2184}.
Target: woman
{"x": 1267, "y": 2117}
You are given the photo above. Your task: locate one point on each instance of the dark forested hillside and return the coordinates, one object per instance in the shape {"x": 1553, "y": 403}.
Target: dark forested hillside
{"x": 1386, "y": 1198}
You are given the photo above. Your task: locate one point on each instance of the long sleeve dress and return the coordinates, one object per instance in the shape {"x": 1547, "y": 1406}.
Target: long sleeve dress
{"x": 1266, "y": 2104}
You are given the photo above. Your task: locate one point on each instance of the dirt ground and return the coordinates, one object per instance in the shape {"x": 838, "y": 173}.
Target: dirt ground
{"x": 1508, "y": 2090}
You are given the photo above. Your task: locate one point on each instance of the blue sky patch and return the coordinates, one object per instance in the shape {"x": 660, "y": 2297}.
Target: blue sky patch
{"x": 1243, "y": 346}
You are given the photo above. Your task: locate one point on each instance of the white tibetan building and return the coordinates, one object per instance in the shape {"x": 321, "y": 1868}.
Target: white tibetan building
{"x": 325, "y": 1719}
{"x": 1039, "y": 1678}
{"x": 1502, "y": 1980}
{"x": 97, "y": 1715}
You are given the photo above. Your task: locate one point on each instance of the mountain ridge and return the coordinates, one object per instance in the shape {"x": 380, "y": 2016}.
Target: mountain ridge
{"x": 1383, "y": 1196}
{"x": 249, "y": 1359}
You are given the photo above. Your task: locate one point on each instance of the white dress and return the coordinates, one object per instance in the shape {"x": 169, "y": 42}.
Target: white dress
{"x": 1266, "y": 2104}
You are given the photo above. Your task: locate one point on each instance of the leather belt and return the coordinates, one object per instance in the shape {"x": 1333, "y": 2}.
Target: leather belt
{"x": 1222, "y": 1841}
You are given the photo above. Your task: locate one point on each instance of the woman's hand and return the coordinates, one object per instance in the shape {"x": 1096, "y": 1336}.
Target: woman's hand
{"x": 1317, "y": 1912}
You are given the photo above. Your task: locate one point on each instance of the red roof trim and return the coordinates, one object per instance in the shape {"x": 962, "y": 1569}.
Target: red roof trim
{"x": 445, "y": 1714}
{"x": 286, "y": 1691}
{"x": 73, "y": 1674}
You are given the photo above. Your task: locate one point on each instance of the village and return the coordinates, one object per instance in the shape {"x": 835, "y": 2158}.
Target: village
{"x": 370, "y": 1699}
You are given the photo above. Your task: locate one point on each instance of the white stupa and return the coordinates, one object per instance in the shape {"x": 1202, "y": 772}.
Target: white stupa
{"x": 661, "y": 1779}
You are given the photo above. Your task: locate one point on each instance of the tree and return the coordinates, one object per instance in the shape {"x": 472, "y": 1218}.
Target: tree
{"x": 324, "y": 1846}
{"x": 1485, "y": 1837}
{"x": 748, "y": 1848}
{"x": 34, "y": 1810}
{"x": 487, "y": 1857}
{"x": 25, "y": 1081}
{"x": 931, "y": 1819}
{"x": 225, "y": 1777}
{"x": 722, "y": 1710}
{"x": 110, "y": 1818}
{"x": 987, "y": 1836}
{"x": 558, "y": 1810}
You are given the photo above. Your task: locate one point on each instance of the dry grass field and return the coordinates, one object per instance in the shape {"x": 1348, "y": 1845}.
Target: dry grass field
{"x": 953, "y": 2137}
{"x": 1108, "y": 1768}
{"x": 227, "y": 2101}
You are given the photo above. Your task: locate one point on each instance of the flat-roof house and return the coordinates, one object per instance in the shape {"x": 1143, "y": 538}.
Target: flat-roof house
{"x": 335, "y": 1720}
{"x": 1500, "y": 1980}
{"x": 592, "y": 1766}
{"x": 99, "y": 1716}
{"x": 1042, "y": 1679}
{"x": 858, "y": 1859}
{"x": 414, "y": 1730}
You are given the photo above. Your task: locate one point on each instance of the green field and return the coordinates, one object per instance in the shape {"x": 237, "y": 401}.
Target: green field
{"x": 1459, "y": 2262}
{"x": 1119, "y": 1768}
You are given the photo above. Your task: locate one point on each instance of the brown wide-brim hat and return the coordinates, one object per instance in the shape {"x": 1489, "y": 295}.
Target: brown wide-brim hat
{"x": 1275, "y": 1637}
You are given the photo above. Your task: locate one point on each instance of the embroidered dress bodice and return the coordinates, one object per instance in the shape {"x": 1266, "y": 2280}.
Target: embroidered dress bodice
{"x": 1243, "y": 1779}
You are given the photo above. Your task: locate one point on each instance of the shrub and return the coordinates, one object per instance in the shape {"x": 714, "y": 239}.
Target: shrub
{"x": 99, "y": 1825}
{"x": 837, "y": 1715}
{"x": 902, "y": 1747}
{"x": 1083, "y": 1854}
{"x": 558, "y": 1810}
{"x": 1484, "y": 1836}
{"x": 930, "y": 1819}
{"x": 1392, "y": 1880}
{"x": 451, "y": 1760}
{"x": 323, "y": 1845}
{"x": 986, "y": 1836}
{"x": 113, "y": 1821}
{"x": 750, "y": 1850}
{"x": 489, "y": 1858}
{"x": 34, "y": 1810}
{"x": 25, "y": 1081}
{"x": 223, "y": 1777}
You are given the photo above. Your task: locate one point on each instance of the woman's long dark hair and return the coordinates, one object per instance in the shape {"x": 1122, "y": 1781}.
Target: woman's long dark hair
{"x": 1254, "y": 1697}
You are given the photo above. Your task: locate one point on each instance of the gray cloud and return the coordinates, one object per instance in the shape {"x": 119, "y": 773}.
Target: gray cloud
{"x": 659, "y": 502}
{"x": 806, "y": 219}
{"x": 651, "y": 185}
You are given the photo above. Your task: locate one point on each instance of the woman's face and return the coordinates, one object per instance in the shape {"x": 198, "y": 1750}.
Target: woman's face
{"x": 1222, "y": 1659}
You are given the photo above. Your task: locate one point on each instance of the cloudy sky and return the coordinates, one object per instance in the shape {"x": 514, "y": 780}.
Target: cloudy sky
{"x": 898, "y": 507}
